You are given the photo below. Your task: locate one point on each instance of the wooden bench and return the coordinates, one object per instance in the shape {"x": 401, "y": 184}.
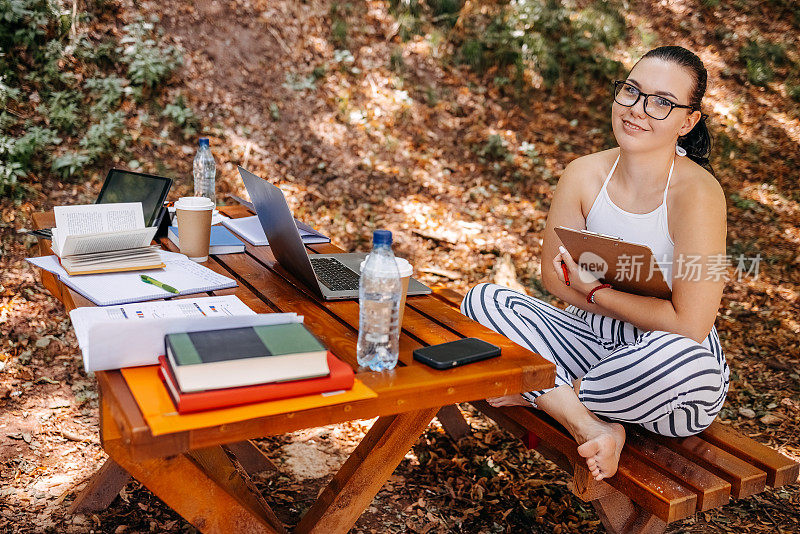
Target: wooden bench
{"x": 660, "y": 479}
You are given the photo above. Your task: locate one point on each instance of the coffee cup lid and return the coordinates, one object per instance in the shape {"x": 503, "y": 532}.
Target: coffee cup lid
{"x": 194, "y": 203}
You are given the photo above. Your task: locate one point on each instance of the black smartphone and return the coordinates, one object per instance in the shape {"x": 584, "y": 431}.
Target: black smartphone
{"x": 455, "y": 353}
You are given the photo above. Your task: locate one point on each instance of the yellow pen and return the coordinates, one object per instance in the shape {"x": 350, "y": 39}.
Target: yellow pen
{"x": 150, "y": 280}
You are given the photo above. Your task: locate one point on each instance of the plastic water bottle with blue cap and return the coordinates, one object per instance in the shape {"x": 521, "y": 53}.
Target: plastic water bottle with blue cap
{"x": 204, "y": 171}
{"x": 380, "y": 292}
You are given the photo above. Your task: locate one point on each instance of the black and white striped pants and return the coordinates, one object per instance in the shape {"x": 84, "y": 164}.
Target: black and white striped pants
{"x": 665, "y": 382}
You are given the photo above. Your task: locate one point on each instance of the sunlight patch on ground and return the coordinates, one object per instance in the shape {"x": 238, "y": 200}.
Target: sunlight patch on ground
{"x": 789, "y": 125}
{"x": 767, "y": 195}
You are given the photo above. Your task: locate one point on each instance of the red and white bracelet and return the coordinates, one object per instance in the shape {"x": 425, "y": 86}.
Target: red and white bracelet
{"x": 590, "y": 296}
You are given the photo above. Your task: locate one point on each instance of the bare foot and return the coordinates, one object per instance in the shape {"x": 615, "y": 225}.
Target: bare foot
{"x": 509, "y": 400}
{"x": 602, "y": 448}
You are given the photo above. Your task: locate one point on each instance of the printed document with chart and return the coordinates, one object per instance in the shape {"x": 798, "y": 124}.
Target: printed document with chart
{"x": 113, "y": 337}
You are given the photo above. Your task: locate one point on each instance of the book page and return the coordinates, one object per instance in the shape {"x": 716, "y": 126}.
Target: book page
{"x": 98, "y": 218}
{"x": 107, "y": 241}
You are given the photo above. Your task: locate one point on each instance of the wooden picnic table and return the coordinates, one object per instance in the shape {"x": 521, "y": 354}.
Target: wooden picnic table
{"x": 203, "y": 474}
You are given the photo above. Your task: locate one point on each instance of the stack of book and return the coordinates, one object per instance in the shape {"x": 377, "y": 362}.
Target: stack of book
{"x": 221, "y": 368}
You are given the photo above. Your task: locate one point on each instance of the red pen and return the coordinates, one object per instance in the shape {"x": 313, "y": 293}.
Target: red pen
{"x": 565, "y": 271}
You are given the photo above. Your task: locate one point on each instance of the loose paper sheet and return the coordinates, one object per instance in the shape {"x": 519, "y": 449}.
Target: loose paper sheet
{"x": 118, "y": 288}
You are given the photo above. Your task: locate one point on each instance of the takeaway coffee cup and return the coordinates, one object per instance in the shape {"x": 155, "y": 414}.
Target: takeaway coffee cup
{"x": 194, "y": 226}
{"x": 405, "y": 270}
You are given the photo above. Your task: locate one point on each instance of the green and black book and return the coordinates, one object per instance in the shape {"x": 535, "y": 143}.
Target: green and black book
{"x": 234, "y": 357}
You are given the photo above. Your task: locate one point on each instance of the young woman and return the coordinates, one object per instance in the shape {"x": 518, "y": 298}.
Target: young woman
{"x": 625, "y": 357}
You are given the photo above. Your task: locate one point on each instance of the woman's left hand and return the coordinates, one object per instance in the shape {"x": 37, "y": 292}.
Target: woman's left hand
{"x": 580, "y": 279}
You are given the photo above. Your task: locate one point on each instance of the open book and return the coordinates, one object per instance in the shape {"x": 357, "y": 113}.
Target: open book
{"x": 104, "y": 238}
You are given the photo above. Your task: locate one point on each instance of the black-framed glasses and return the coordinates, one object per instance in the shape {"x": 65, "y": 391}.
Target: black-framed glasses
{"x": 655, "y": 106}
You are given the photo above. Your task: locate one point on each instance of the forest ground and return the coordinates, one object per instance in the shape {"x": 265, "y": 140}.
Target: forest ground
{"x": 396, "y": 136}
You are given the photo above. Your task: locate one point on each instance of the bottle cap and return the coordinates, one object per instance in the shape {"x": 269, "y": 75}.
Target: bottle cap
{"x": 203, "y": 142}
{"x": 382, "y": 237}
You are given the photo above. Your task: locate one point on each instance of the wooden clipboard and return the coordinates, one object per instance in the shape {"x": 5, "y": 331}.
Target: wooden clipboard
{"x": 611, "y": 250}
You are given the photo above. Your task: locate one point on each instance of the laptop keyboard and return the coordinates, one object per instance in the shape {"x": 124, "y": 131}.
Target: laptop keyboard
{"x": 334, "y": 275}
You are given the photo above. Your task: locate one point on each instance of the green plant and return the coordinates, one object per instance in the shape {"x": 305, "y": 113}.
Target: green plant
{"x": 793, "y": 90}
{"x": 396, "y": 62}
{"x": 472, "y": 54}
{"x": 67, "y": 165}
{"x": 148, "y": 63}
{"x": 35, "y": 140}
{"x": 431, "y": 96}
{"x": 183, "y": 116}
{"x": 62, "y": 110}
{"x": 7, "y": 92}
{"x": 106, "y": 93}
{"x": 494, "y": 149}
{"x": 41, "y": 52}
{"x": 563, "y": 44}
{"x": 101, "y": 137}
{"x": 760, "y": 58}
{"x": 339, "y": 32}
{"x": 16, "y": 155}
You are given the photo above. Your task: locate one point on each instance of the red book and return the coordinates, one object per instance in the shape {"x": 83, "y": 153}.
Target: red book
{"x": 341, "y": 377}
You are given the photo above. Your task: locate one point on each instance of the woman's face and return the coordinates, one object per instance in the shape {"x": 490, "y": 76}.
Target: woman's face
{"x": 637, "y": 131}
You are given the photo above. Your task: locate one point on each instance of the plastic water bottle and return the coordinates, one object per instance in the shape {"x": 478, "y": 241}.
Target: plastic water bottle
{"x": 204, "y": 171}
{"x": 379, "y": 296}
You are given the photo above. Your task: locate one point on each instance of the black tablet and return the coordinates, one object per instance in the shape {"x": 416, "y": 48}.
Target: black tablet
{"x": 455, "y": 353}
{"x": 130, "y": 186}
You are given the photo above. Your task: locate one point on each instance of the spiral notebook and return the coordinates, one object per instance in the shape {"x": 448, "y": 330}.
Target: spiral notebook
{"x": 121, "y": 288}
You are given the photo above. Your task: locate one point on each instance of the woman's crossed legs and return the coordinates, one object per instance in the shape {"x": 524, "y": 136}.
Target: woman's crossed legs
{"x": 665, "y": 382}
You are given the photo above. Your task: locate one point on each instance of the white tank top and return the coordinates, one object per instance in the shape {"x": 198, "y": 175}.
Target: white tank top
{"x": 649, "y": 229}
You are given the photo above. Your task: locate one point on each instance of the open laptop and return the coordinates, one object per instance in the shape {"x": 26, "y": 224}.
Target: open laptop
{"x": 332, "y": 276}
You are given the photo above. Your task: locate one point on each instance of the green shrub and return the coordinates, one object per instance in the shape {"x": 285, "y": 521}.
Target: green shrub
{"x": 17, "y": 155}
{"x": 760, "y": 58}
{"x": 67, "y": 165}
{"x": 396, "y": 62}
{"x": 568, "y": 46}
{"x": 62, "y": 110}
{"x": 563, "y": 44}
{"x": 148, "y": 64}
{"x": 339, "y": 33}
{"x": 183, "y": 116}
{"x": 7, "y": 92}
{"x": 100, "y": 138}
{"x": 40, "y": 51}
{"x": 106, "y": 92}
{"x": 472, "y": 54}
{"x": 35, "y": 141}
{"x": 793, "y": 90}
{"x": 495, "y": 149}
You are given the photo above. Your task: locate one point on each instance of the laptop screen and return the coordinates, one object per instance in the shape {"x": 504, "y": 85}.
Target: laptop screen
{"x": 128, "y": 186}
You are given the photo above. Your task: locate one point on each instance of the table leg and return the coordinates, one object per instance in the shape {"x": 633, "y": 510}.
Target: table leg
{"x": 252, "y": 459}
{"x": 204, "y": 487}
{"x": 102, "y": 489}
{"x": 358, "y": 481}
{"x": 453, "y": 422}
